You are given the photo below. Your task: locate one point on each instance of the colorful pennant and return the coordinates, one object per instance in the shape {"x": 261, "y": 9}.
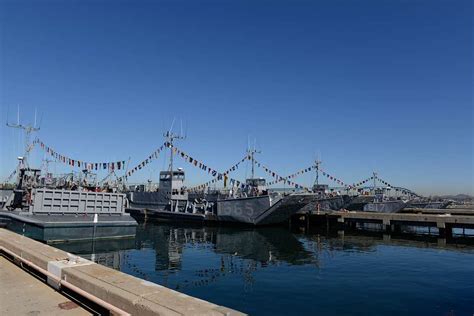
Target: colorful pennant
{"x": 294, "y": 175}
{"x": 218, "y": 175}
{"x": 333, "y": 178}
{"x": 212, "y": 181}
{"x": 280, "y": 178}
{"x": 142, "y": 164}
{"x": 358, "y": 184}
{"x": 119, "y": 165}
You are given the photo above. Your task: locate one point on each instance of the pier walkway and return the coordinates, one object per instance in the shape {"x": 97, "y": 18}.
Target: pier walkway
{"x": 23, "y": 294}
{"x": 107, "y": 290}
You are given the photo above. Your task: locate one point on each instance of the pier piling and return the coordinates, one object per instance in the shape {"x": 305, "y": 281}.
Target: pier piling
{"x": 390, "y": 222}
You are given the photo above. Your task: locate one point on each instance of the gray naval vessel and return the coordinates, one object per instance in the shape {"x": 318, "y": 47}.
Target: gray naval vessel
{"x": 53, "y": 211}
{"x": 251, "y": 204}
{"x": 429, "y": 204}
{"x": 326, "y": 201}
{"x": 54, "y": 214}
{"x": 377, "y": 202}
{"x": 254, "y": 205}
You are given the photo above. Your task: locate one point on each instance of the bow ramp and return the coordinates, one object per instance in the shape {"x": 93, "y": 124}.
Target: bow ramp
{"x": 262, "y": 210}
{"x": 284, "y": 208}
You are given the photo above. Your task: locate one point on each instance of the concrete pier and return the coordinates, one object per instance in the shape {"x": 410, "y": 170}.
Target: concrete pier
{"x": 116, "y": 291}
{"x": 452, "y": 211}
{"x": 391, "y": 222}
{"x": 23, "y": 294}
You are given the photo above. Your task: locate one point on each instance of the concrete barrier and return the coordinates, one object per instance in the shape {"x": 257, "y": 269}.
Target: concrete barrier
{"x": 128, "y": 293}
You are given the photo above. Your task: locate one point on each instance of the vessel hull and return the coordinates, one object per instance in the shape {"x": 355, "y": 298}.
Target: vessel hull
{"x": 385, "y": 207}
{"x": 59, "y": 228}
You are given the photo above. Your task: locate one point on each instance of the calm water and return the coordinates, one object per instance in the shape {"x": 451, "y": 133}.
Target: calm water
{"x": 272, "y": 271}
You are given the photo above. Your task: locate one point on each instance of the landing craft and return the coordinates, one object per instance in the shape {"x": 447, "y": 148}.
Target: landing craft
{"x": 54, "y": 211}
{"x": 251, "y": 204}
{"x": 64, "y": 211}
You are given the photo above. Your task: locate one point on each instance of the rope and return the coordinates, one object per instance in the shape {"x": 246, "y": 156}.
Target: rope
{"x": 10, "y": 176}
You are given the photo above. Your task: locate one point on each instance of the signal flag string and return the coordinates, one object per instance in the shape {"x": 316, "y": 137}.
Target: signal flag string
{"x": 205, "y": 167}
{"x": 208, "y": 183}
{"x": 79, "y": 163}
{"x": 280, "y": 178}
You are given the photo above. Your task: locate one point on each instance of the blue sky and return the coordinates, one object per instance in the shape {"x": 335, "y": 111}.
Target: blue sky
{"x": 370, "y": 85}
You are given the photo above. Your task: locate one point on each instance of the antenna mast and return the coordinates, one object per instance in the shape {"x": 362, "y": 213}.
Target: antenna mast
{"x": 46, "y": 165}
{"x": 375, "y": 180}
{"x": 317, "y": 164}
{"x": 28, "y": 130}
{"x": 251, "y": 153}
{"x": 170, "y": 137}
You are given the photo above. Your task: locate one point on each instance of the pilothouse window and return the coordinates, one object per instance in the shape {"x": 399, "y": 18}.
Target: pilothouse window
{"x": 256, "y": 182}
{"x": 176, "y": 176}
{"x": 164, "y": 177}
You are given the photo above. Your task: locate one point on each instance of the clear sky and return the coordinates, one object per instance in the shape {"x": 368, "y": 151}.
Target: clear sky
{"x": 370, "y": 85}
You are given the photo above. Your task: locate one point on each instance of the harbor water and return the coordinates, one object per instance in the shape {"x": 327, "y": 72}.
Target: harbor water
{"x": 278, "y": 271}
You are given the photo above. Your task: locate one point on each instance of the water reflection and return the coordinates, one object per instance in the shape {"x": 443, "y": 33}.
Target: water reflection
{"x": 242, "y": 250}
{"x": 261, "y": 245}
{"x": 276, "y": 271}
{"x": 109, "y": 253}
